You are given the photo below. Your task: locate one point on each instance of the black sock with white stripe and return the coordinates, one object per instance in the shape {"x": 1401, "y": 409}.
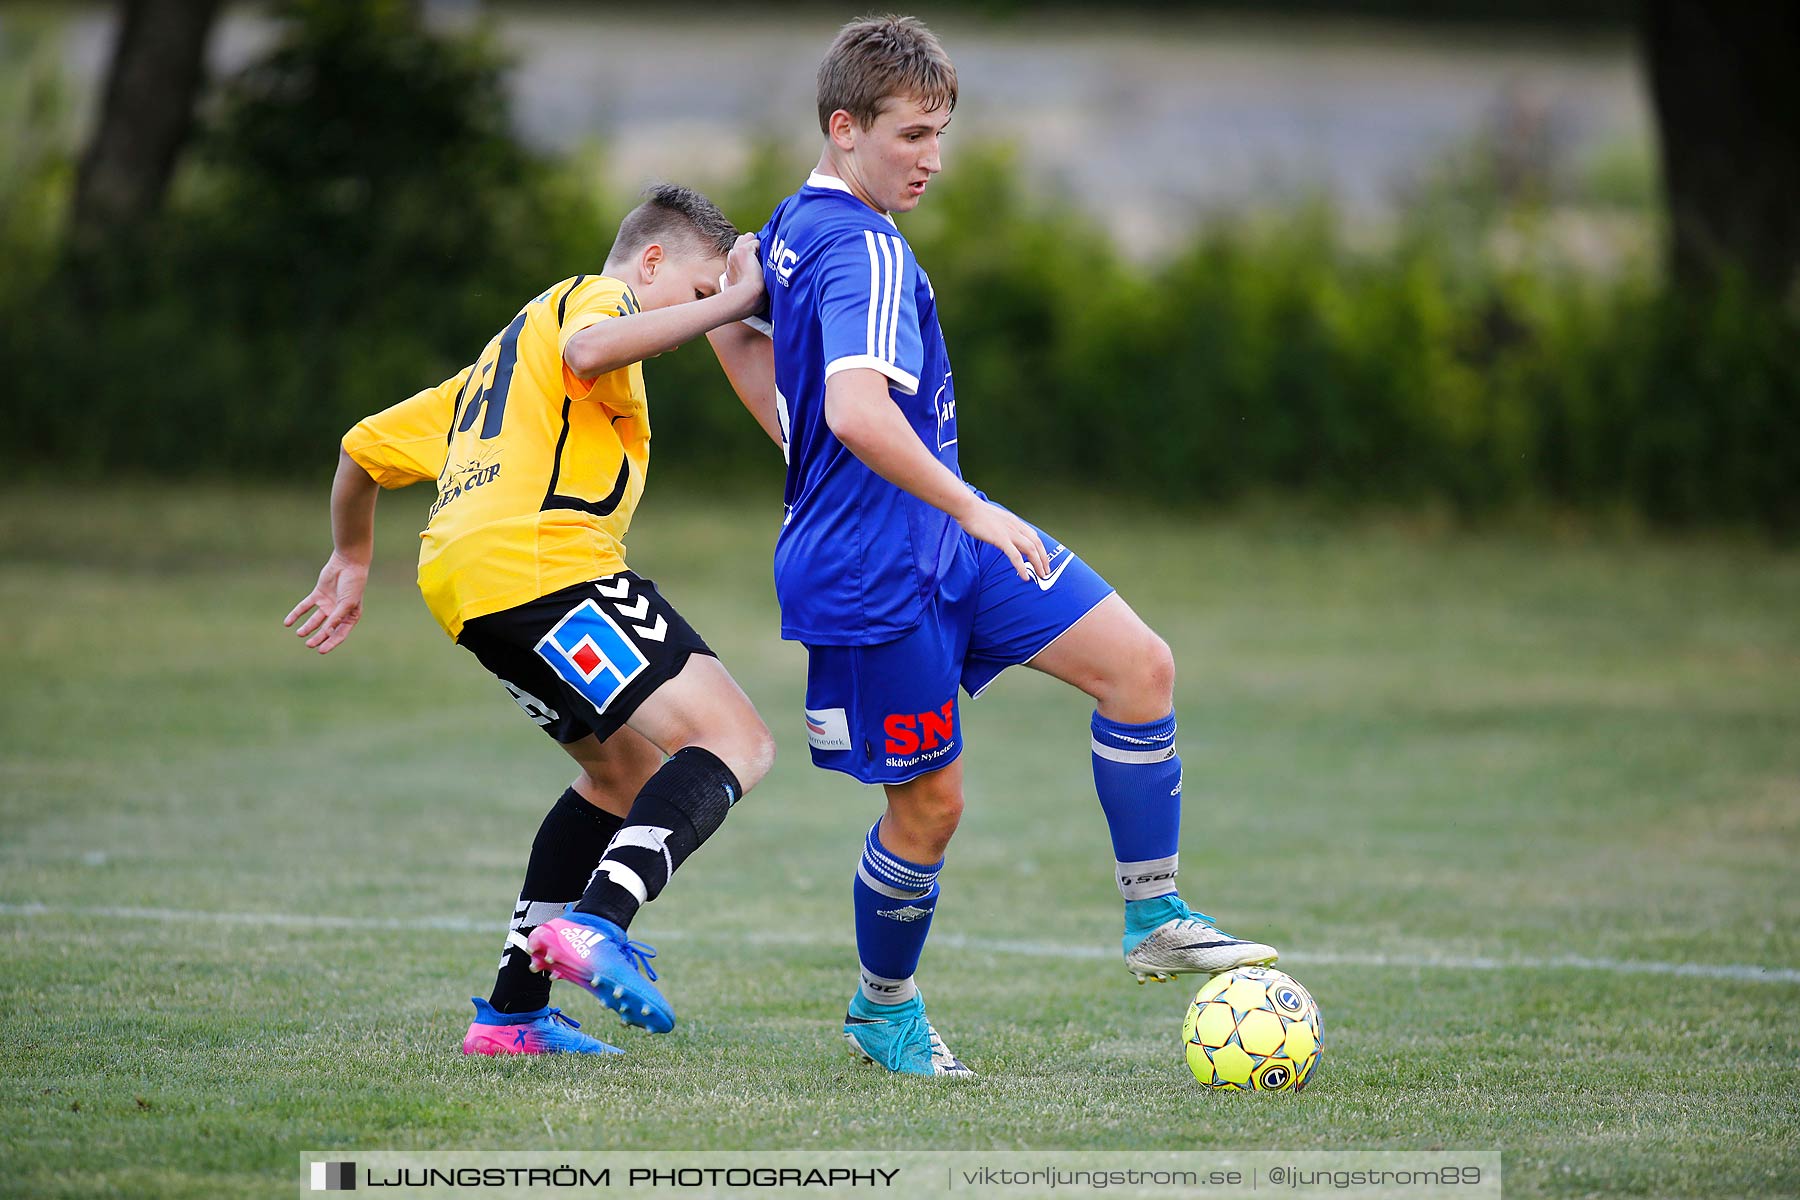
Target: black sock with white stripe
{"x": 681, "y": 806}
{"x": 568, "y": 844}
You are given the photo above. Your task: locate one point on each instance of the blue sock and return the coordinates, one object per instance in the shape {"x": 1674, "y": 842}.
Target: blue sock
{"x": 1138, "y": 777}
{"x": 894, "y": 900}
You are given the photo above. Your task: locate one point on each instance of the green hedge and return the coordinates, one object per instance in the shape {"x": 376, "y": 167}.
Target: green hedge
{"x": 1269, "y": 357}
{"x": 357, "y": 220}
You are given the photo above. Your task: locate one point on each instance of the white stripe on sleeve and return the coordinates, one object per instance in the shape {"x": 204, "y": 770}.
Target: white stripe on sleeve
{"x": 889, "y": 295}
{"x": 893, "y": 332}
{"x": 874, "y": 285}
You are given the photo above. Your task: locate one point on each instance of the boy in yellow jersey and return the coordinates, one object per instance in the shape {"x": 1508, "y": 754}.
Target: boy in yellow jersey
{"x": 539, "y": 449}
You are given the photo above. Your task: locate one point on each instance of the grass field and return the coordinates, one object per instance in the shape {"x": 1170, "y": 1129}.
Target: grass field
{"x": 1513, "y": 805}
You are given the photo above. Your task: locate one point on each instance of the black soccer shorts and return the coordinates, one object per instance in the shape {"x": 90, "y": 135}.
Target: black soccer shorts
{"x": 582, "y": 659}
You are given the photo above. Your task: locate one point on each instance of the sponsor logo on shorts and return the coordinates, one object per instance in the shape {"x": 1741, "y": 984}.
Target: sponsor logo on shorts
{"x": 909, "y": 733}
{"x": 918, "y": 759}
{"x": 827, "y": 729}
{"x": 591, "y": 654}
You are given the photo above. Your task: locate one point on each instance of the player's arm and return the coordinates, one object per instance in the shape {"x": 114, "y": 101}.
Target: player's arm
{"x": 336, "y": 600}
{"x": 871, "y": 426}
{"x": 869, "y": 325}
{"x": 401, "y": 445}
{"x": 620, "y": 341}
{"x": 748, "y": 359}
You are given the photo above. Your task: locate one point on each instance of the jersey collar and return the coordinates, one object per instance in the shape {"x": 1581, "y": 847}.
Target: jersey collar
{"x": 832, "y": 183}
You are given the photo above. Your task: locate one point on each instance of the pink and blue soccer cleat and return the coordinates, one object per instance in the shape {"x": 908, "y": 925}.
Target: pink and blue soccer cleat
{"x": 595, "y": 954}
{"x": 545, "y": 1031}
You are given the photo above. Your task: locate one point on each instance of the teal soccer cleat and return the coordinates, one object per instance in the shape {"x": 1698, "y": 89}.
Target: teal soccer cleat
{"x": 1165, "y": 938}
{"x": 900, "y": 1038}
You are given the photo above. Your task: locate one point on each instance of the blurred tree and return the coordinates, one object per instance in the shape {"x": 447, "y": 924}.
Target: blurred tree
{"x": 1727, "y": 97}
{"x": 157, "y": 70}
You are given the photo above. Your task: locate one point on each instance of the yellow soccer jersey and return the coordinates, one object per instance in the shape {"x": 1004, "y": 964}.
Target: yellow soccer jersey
{"x": 538, "y": 472}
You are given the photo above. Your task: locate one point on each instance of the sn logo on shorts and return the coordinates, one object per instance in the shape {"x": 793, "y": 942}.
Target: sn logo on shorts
{"x": 591, "y": 654}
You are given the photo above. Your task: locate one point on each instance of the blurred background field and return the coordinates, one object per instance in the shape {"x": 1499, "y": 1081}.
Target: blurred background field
{"x": 1181, "y": 253}
{"x": 1522, "y": 813}
{"x": 1380, "y": 352}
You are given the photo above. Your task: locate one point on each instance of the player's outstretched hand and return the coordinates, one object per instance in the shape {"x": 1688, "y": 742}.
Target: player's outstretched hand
{"x": 1012, "y": 536}
{"x": 743, "y": 273}
{"x": 336, "y": 604}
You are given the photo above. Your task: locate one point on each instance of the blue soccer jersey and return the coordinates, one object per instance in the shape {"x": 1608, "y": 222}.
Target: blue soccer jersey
{"x": 858, "y": 559}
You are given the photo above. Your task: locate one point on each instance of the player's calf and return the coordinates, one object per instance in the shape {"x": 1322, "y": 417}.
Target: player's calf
{"x": 573, "y": 836}
{"x": 923, "y": 813}
{"x": 684, "y": 803}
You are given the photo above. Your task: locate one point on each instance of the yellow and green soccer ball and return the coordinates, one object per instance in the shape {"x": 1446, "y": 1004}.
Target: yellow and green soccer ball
{"x": 1253, "y": 1030}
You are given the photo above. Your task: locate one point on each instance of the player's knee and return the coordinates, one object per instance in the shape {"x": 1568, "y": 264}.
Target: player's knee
{"x": 610, "y": 777}
{"x": 948, "y": 815}
{"x": 746, "y": 748}
{"x": 1156, "y": 671}
{"x": 611, "y": 785}
{"x": 1141, "y": 685}
{"x": 930, "y": 818}
{"x": 755, "y": 755}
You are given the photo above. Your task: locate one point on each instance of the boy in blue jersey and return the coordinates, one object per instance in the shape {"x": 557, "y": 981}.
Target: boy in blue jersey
{"x": 903, "y": 581}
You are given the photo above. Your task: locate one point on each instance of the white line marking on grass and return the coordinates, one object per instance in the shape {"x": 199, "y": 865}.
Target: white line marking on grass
{"x": 1740, "y": 972}
{"x": 1576, "y": 962}
{"x": 177, "y": 916}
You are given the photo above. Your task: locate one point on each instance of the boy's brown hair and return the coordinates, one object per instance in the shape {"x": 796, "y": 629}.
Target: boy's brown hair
{"x": 680, "y": 219}
{"x": 875, "y": 58}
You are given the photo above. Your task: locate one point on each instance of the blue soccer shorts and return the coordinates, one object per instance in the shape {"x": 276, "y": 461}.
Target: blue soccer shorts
{"x": 888, "y": 713}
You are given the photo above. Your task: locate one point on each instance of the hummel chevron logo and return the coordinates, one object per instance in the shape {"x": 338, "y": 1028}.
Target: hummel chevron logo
{"x": 655, "y": 631}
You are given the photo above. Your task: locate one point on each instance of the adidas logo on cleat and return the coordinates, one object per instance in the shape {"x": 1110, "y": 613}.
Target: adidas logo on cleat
{"x": 582, "y": 940}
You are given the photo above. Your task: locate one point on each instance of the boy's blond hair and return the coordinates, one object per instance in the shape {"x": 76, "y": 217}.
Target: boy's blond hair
{"x": 876, "y": 58}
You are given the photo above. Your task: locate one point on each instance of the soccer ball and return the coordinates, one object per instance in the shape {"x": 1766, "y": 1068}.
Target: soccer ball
{"x": 1253, "y": 1030}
